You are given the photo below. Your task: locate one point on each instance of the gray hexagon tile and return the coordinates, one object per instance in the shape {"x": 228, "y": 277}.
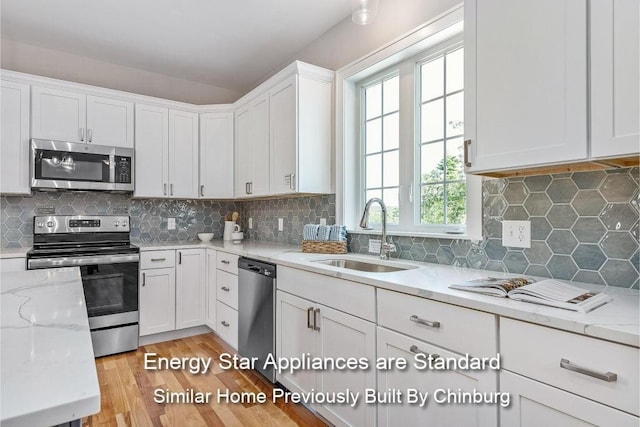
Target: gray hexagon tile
{"x": 515, "y": 193}
{"x": 589, "y": 277}
{"x": 515, "y": 262}
{"x": 618, "y": 188}
{"x": 562, "y": 216}
{"x": 588, "y": 257}
{"x": 562, "y": 242}
{"x": 562, "y": 267}
{"x": 538, "y": 253}
{"x": 538, "y": 182}
{"x": 619, "y": 244}
{"x": 588, "y": 203}
{"x": 588, "y": 230}
{"x": 537, "y": 204}
{"x": 619, "y": 273}
{"x": 537, "y": 270}
{"x": 562, "y": 190}
{"x": 515, "y": 213}
{"x": 588, "y": 180}
{"x": 618, "y": 216}
{"x": 540, "y": 228}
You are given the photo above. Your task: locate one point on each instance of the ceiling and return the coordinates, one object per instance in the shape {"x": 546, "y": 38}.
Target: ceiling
{"x": 231, "y": 44}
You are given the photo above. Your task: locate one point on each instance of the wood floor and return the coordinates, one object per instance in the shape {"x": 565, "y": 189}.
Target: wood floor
{"x": 127, "y": 391}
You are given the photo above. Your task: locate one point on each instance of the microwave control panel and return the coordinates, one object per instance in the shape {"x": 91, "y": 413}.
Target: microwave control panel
{"x": 123, "y": 170}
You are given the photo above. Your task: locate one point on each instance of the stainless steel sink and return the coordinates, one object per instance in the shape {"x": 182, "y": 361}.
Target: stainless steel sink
{"x": 364, "y": 266}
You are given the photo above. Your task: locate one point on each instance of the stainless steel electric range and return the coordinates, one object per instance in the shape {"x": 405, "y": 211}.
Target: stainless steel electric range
{"x": 100, "y": 246}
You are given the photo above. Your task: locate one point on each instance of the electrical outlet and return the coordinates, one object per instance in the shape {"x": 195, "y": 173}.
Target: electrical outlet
{"x": 280, "y": 224}
{"x": 323, "y": 221}
{"x": 374, "y": 246}
{"x": 171, "y": 223}
{"x": 250, "y": 223}
{"x": 516, "y": 234}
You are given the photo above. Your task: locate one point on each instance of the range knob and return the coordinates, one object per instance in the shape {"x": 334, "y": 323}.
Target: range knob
{"x": 40, "y": 224}
{"x": 124, "y": 223}
{"x": 49, "y": 223}
{"x": 116, "y": 223}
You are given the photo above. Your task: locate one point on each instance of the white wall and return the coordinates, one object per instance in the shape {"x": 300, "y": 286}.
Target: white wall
{"x": 40, "y": 61}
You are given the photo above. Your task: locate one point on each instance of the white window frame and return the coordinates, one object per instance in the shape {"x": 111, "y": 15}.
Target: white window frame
{"x": 349, "y": 191}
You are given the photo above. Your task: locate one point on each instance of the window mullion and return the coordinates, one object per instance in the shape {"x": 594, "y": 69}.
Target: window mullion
{"x": 407, "y": 150}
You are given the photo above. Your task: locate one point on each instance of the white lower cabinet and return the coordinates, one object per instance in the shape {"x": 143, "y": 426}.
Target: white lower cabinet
{"x": 535, "y": 404}
{"x": 157, "y": 301}
{"x": 304, "y": 327}
{"x": 190, "y": 288}
{"x": 439, "y": 409}
{"x": 227, "y": 327}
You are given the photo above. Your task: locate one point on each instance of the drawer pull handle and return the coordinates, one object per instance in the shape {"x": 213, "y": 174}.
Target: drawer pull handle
{"x": 224, "y": 261}
{"x": 225, "y": 324}
{"x": 607, "y": 376}
{"x": 158, "y": 259}
{"x": 224, "y": 288}
{"x": 415, "y": 350}
{"x": 430, "y": 323}
{"x": 309, "y": 311}
{"x": 144, "y": 279}
{"x": 315, "y": 319}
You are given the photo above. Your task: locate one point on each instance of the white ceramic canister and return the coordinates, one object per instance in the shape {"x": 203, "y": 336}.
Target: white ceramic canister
{"x": 230, "y": 227}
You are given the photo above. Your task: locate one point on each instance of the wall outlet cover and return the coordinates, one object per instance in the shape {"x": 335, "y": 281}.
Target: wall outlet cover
{"x": 171, "y": 223}
{"x": 323, "y": 221}
{"x": 280, "y": 224}
{"x": 250, "y": 223}
{"x": 516, "y": 234}
{"x": 374, "y": 246}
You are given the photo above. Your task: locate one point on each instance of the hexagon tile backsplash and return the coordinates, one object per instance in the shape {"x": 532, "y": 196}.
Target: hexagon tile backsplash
{"x": 584, "y": 225}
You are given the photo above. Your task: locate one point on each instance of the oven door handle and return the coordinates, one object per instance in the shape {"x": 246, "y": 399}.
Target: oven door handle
{"x": 78, "y": 261}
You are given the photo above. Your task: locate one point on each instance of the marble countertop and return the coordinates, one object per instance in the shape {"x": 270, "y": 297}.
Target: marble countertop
{"x": 618, "y": 321}
{"x": 47, "y": 365}
{"x": 6, "y": 253}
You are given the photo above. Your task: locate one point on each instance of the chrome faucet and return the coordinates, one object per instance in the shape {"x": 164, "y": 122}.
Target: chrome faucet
{"x": 385, "y": 247}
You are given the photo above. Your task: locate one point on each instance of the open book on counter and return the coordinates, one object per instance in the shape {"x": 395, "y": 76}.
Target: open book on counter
{"x": 546, "y": 292}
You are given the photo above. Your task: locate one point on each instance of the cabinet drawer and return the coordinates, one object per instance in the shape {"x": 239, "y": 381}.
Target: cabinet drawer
{"x": 448, "y": 326}
{"x": 227, "y": 326}
{"x": 537, "y": 352}
{"x": 227, "y": 262}
{"x": 227, "y": 288}
{"x": 157, "y": 259}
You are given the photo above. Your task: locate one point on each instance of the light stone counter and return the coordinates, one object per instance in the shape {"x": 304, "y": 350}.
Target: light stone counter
{"x": 47, "y": 370}
{"x": 618, "y": 321}
{"x": 8, "y": 253}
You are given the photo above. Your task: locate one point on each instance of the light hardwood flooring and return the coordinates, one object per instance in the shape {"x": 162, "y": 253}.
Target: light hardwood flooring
{"x": 127, "y": 391}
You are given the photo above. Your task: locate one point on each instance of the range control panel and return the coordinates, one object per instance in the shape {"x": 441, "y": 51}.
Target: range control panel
{"x": 52, "y": 224}
{"x": 73, "y": 223}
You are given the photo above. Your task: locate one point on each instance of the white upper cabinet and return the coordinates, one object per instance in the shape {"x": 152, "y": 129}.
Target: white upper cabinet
{"x": 14, "y": 138}
{"x": 183, "y": 154}
{"x": 525, "y": 83}
{"x": 283, "y": 133}
{"x": 76, "y": 117}
{"x": 216, "y": 155}
{"x": 252, "y": 149}
{"x": 109, "y": 122}
{"x": 615, "y": 77}
{"x": 152, "y": 148}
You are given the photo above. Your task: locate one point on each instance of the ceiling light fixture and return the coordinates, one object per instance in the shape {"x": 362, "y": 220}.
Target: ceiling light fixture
{"x": 363, "y": 11}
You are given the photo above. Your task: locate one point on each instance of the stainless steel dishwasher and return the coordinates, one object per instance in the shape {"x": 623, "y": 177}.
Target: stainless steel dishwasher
{"x": 256, "y": 312}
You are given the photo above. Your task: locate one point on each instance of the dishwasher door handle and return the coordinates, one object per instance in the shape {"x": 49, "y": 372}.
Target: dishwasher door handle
{"x": 309, "y": 311}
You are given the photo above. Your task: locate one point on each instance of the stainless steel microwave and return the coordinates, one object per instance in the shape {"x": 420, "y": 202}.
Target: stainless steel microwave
{"x": 61, "y": 165}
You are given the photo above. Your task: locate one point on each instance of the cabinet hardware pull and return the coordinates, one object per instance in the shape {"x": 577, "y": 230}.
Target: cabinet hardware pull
{"x": 292, "y": 184}
{"x": 225, "y": 324}
{"x": 158, "y": 259}
{"x": 246, "y": 188}
{"x": 89, "y": 134}
{"x": 224, "y": 288}
{"x": 165, "y": 189}
{"x": 202, "y": 190}
{"x": 315, "y": 319}
{"x": 607, "y": 376}
{"x": 415, "y": 350}
{"x": 179, "y": 257}
{"x": 309, "y": 311}
{"x": 171, "y": 187}
{"x": 144, "y": 279}
{"x": 467, "y": 143}
{"x": 81, "y": 133}
{"x": 430, "y": 323}
{"x": 224, "y": 261}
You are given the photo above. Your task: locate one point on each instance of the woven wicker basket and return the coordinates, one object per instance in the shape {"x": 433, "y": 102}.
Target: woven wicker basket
{"x": 324, "y": 247}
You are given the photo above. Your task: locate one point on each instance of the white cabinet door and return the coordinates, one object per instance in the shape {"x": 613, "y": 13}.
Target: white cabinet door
{"x": 392, "y": 345}
{"x": 284, "y": 136}
{"x": 525, "y": 82}
{"x": 157, "y": 301}
{"x": 58, "y": 114}
{"x": 343, "y": 335}
{"x": 14, "y": 138}
{"x": 183, "y": 154}
{"x": 190, "y": 288}
{"x": 211, "y": 289}
{"x": 615, "y": 71}
{"x": 260, "y": 148}
{"x": 243, "y": 170}
{"x": 109, "y": 122}
{"x": 216, "y": 155}
{"x": 535, "y": 404}
{"x": 295, "y": 336}
{"x": 152, "y": 148}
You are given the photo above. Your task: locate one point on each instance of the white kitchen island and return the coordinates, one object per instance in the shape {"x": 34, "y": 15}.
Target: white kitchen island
{"x": 47, "y": 370}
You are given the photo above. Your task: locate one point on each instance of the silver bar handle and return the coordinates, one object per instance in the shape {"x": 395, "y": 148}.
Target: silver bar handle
{"x": 292, "y": 184}
{"x": 315, "y": 319}
{"x": 467, "y": 143}
{"x": 158, "y": 259}
{"x": 430, "y": 323}
{"x": 81, "y": 133}
{"x": 224, "y": 261}
{"x": 415, "y": 350}
{"x": 309, "y": 311}
{"x": 179, "y": 257}
{"x": 171, "y": 189}
{"x": 89, "y": 134}
{"x": 224, "y": 288}
{"x": 89, "y": 260}
{"x": 202, "y": 191}
{"x": 165, "y": 189}
{"x": 225, "y": 324}
{"x": 246, "y": 188}
{"x": 606, "y": 376}
{"x": 144, "y": 279}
